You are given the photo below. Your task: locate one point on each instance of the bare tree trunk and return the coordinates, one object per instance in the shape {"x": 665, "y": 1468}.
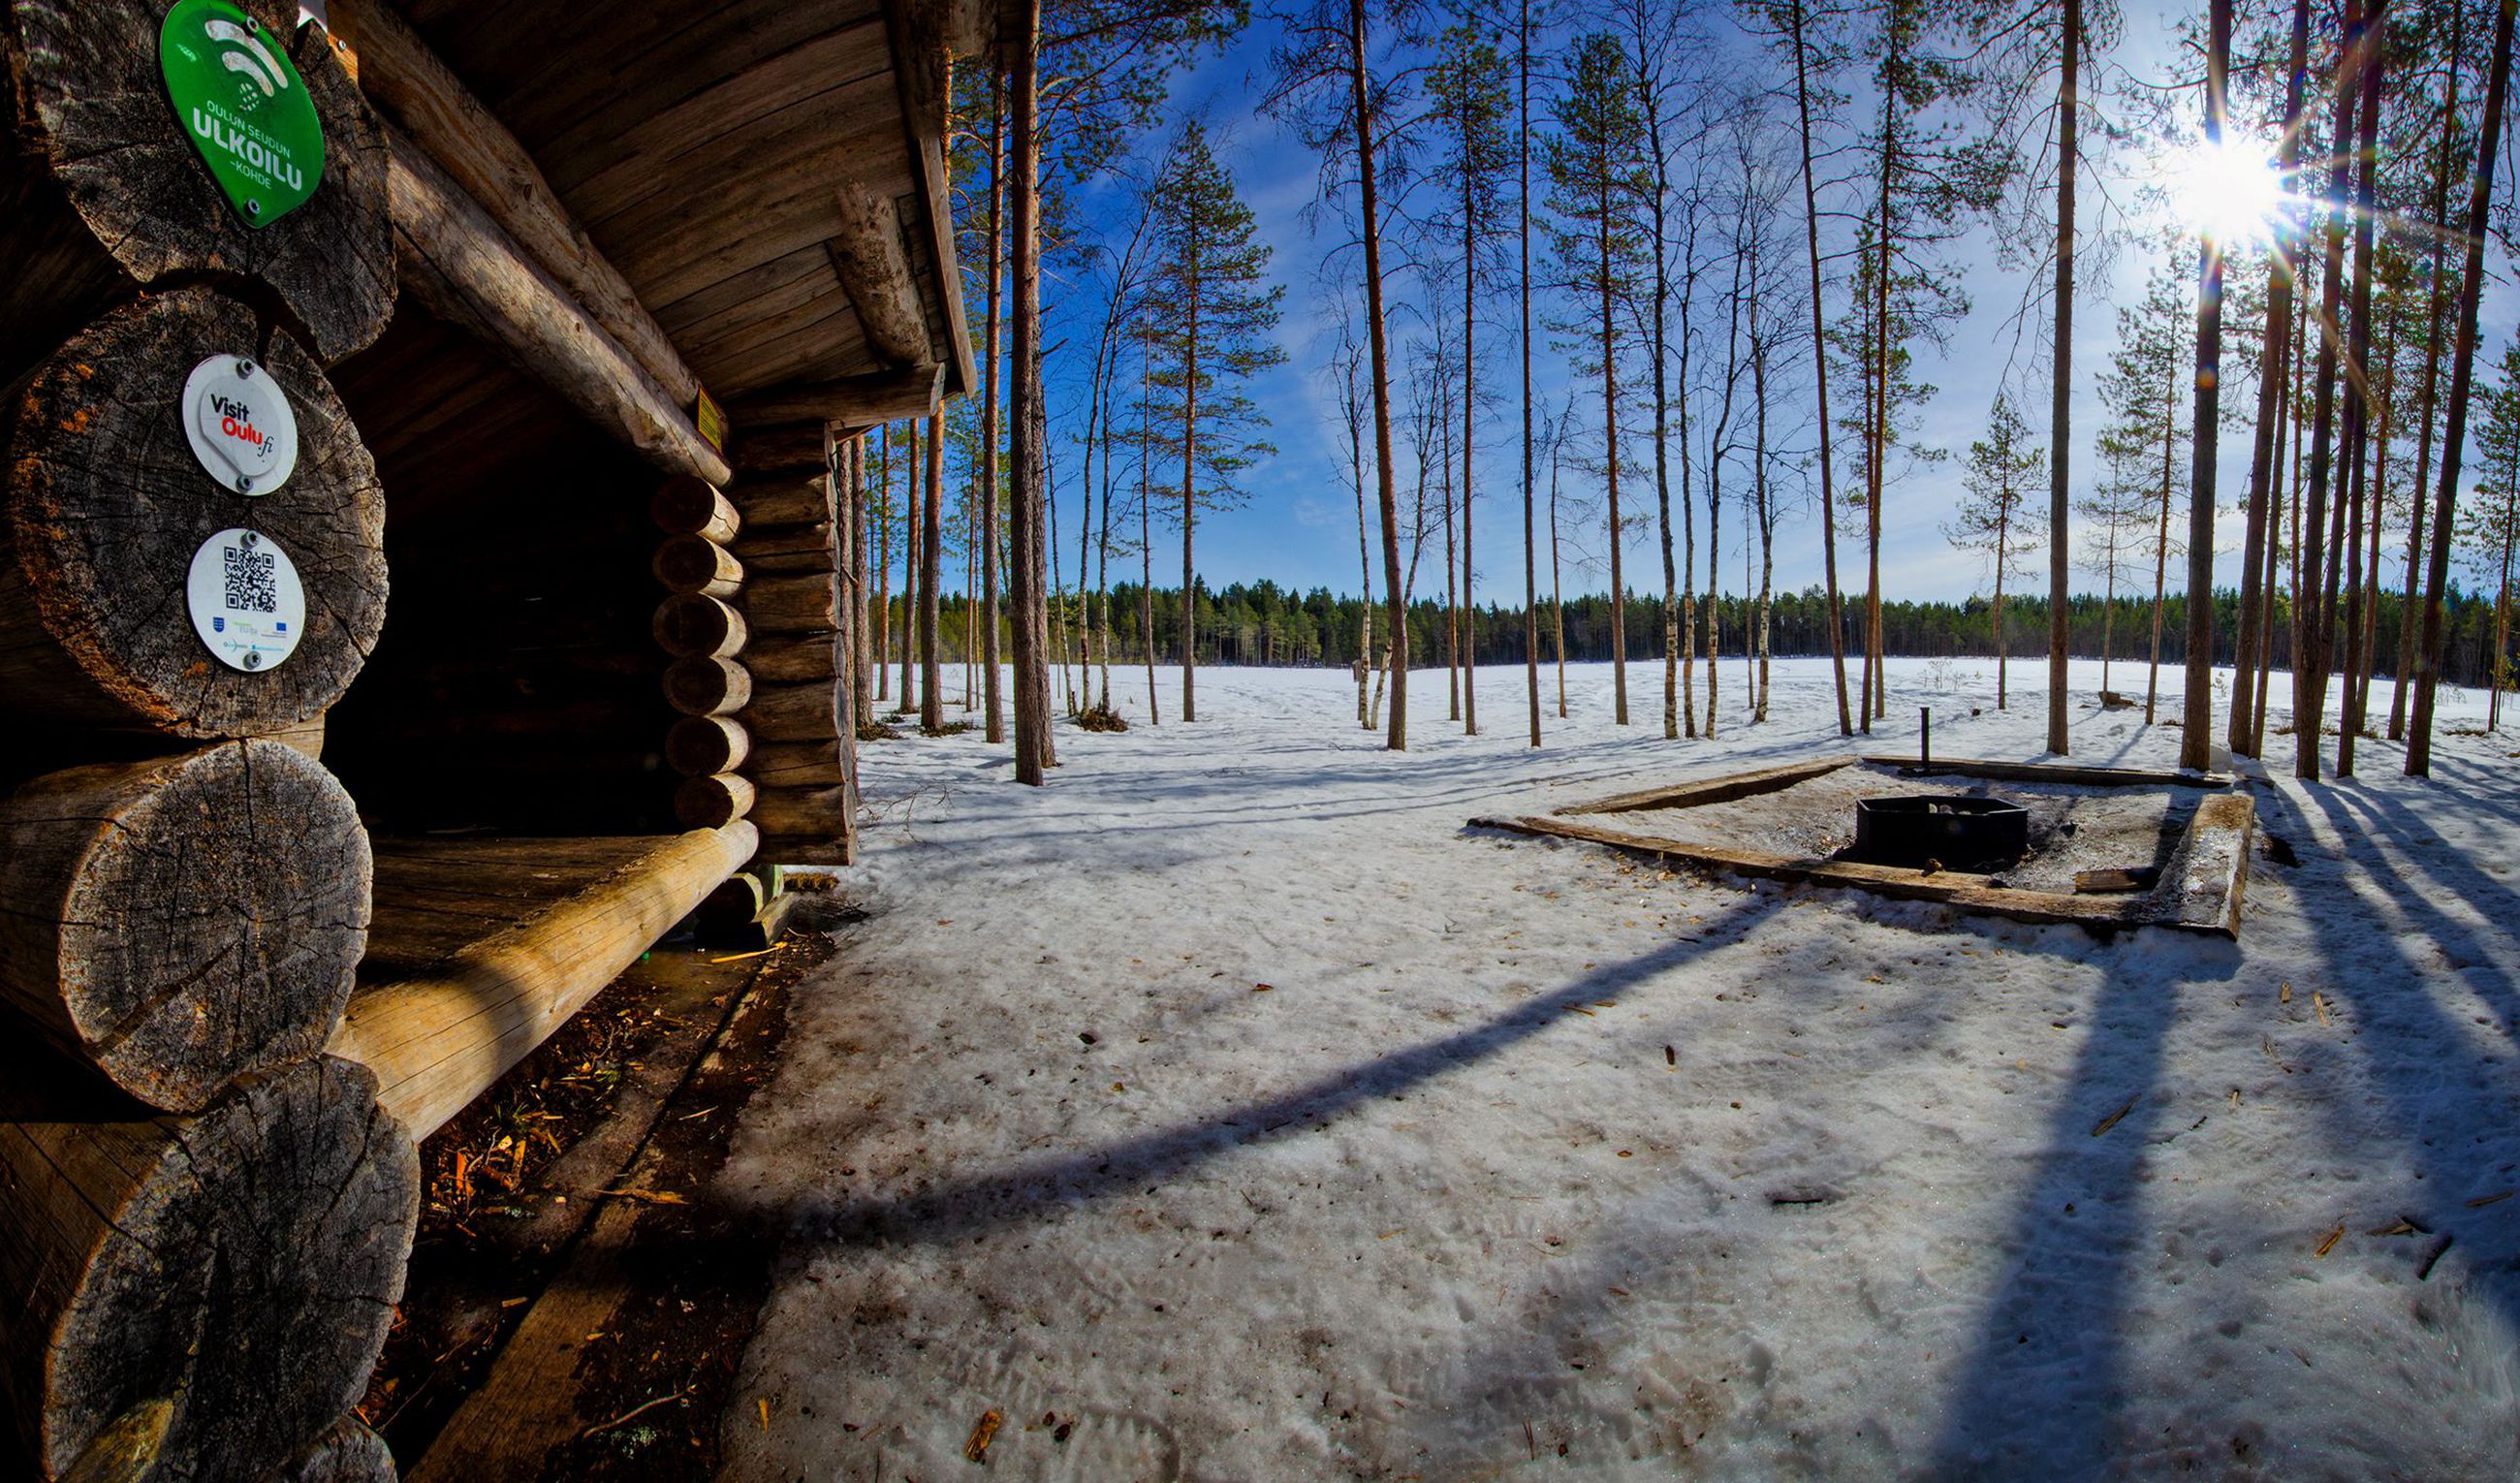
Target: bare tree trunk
{"x": 1671, "y": 630}
{"x": 1819, "y": 370}
{"x": 1370, "y": 199}
{"x": 971, "y": 607}
{"x": 2480, "y": 222}
{"x": 880, "y": 649}
{"x": 1999, "y": 655}
{"x": 2272, "y": 563}
{"x": 1557, "y": 587}
{"x": 1610, "y": 441}
{"x": 1024, "y": 533}
{"x": 2060, "y": 413}
{"x": 994, "y": 713}
{"x": 1145, "y": 540}
{"x": 2435, "y": 305}
{"x": 2494, "y": 663}
{"x": 1452, "y": 586}
{"x": 1757, "y": 641}
{"x": 913, "y": 516}
{"x": 1058, "y": 588}
{"x": 2161, "y": 558}
{"x": 1365, "y": 565}
{"x": 931, "y": 573}
{"x": 2197, "y": 722}
{"x": 864, "y": 656}
{"x": 1188, "y": 512}
{"x": 2310, "y": 617}
{"x": 1530, "y": 570}
{"x": 1465, "y": 607}
{"x": 2247, "y": 696}
{"x": 2360, "y": 408}
{"x": 1877, "y": 481}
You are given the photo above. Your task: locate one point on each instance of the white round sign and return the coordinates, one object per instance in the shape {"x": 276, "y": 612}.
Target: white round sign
{"x": 240, "y": 425}
{"x": 248, "y": 605}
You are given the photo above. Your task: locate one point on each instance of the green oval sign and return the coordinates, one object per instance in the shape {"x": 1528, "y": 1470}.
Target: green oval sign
{"x": 239, "y": 98}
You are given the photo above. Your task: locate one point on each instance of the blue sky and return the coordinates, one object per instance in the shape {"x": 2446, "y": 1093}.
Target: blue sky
{"x": 1298, "y": 526}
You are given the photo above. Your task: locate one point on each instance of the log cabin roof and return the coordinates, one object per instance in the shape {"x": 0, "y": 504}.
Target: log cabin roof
{"x": 707, "y": 149}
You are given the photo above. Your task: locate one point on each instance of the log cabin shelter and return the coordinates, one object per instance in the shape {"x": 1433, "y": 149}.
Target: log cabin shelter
{"x": 611, "y": 674}
{"x": 336, "y": 781}
{"x": 620, "y": 581}
{"x": 579, "y": 324}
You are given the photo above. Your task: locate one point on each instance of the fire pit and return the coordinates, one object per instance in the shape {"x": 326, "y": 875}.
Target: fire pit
{"x": 1953, "y": 829}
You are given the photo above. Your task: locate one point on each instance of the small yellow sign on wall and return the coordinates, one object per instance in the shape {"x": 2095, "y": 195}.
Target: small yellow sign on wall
{"x": 710, "y": 421}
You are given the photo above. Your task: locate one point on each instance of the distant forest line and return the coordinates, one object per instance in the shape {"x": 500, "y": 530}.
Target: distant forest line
{"x": 1261, "y": 623}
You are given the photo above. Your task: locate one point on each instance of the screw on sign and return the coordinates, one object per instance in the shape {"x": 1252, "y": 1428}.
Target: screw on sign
{"x": 242, "y": 102}
{"x": 243, "y": 430}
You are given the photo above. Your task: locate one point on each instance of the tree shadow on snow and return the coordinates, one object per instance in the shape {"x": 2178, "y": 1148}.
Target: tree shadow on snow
{"x": 2041, "y": 1393}
{"x": 957, "y": 1208}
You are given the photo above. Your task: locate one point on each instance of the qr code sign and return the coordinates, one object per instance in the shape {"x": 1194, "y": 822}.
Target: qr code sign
{"x": 250, "y": 586}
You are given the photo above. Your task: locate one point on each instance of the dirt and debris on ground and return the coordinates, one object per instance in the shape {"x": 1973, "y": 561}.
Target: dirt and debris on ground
{"x": 511, "y": 1185}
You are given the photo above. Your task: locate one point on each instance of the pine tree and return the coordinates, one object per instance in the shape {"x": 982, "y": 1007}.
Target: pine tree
{"x": 2491, "y": 528}
{"x": 1597, "y": 172}
{"x": 1997, "y": 516}
{"x": 2141, "y": 389}
{"x": 2479, "y": 201}
{"x": 1467, "y": 91}
{"x": 1928, "y": 175}
{"x": 2118, "y": 520}
{"x": 1213, "y": 335}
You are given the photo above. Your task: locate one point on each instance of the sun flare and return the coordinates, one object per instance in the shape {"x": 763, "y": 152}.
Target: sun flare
{"x": 2231, "y": 191}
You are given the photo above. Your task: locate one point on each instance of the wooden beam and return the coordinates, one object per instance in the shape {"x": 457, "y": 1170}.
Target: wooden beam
{"x": 2059, "y": 772}
{"x": 868, "y": 255}
{"x": 922, "y": 37}
{"x": 437, "y": 1043}
{"x": 1766, "y": 780}
{"x": 2198, "y": 892}
{"x": 437, "y": 112}
{"x": 851, "y": 404}
{"x": 469, "y": 271}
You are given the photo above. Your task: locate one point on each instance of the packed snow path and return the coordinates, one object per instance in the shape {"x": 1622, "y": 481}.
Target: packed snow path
{"x": 1228, "y": 1111}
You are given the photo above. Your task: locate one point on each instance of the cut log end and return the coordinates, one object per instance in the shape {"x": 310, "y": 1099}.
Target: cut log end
{"x": 698, "y": 746}
{"x": 105, "y": 507}
{"x": 177, "y": 922}
{"x": 692, "y": 624}
{"x": 92, "y": 113}
{"x": 709, "y": 802}
{"x": 240, "y": 1265}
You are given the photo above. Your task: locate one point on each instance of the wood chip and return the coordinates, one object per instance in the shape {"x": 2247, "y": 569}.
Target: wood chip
{"x": 983, "y": 1432}
{"x": 2319, "y": 1002}
{"x": 647, "y": 1196}
{"x": 2111, "y": 1121}
{"x": 2286, "y": 996}
{"x": 2329, "y": 1244}
{"x": 2483, "y": 1200}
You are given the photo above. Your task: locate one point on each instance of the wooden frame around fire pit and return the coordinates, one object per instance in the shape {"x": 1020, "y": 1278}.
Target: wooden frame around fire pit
{"x": 2199, "y": 889}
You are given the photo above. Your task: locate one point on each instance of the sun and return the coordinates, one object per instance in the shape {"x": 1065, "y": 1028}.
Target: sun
{"x": 2229, "y": 192}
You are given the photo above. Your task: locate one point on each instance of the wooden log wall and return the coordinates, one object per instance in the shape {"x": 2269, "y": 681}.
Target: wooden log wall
{"x": 203, "y": 1221}
{"x": 104, "y": 197}
{"x": 220, "y": 1283}
{"x": 757, "y": 628}
{"x": 107, "y": 504}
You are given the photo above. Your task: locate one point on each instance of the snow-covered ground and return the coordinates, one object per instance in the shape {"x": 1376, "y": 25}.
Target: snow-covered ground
{"x": 1227, "y": 1109}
